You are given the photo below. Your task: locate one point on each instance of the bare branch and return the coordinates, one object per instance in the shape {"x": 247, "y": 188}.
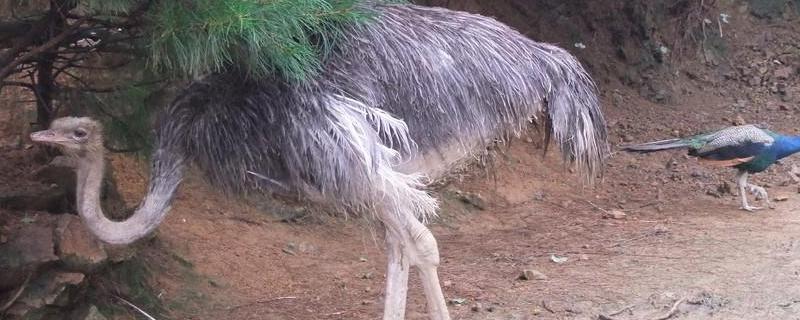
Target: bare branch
{"x": 53, "y": 42}
{"x": 16, "y": 84}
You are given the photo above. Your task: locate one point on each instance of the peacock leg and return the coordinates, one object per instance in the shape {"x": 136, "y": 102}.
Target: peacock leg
{"x": 741, "y": 181}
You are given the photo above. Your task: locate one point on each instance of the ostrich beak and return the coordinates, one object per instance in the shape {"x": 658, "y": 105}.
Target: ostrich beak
{"x": 46, "y": 136}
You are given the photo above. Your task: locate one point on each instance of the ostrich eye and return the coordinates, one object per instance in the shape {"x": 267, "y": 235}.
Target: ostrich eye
{"x": 80, "y": 133}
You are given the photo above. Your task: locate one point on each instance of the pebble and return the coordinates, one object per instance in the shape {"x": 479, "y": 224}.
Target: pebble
{"x": 781, "y": 198}
{"x": 615, "y": 214}
{"x": 531, "y": 274}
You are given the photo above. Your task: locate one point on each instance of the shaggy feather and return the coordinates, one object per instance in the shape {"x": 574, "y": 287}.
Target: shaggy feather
{"x": 406, "y": 86}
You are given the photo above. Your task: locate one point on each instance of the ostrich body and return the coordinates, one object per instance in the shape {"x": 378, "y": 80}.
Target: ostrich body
{"x": 747, "y": 148}
{"x": 401, "y": 99}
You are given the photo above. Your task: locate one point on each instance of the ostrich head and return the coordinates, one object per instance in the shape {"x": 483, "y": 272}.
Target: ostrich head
{"x": 76, "y": 137}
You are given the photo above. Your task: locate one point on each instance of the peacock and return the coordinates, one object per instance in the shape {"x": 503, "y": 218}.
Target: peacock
{"x": 748, "y": 148}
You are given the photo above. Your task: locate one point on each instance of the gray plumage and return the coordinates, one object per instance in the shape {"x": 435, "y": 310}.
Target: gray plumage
{"x": 407, "y": 85}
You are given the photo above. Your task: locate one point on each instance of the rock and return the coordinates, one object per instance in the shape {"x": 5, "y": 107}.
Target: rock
{"x": 583, "y": 257}
{"x": 27, "y": 248}
{"x": 78, "y": 249}
{"x": 447, "y": 283}
{"x": 532, "y": 274}
{"x": 615, "y": 214}
{"x": 290, "y": 249}
{"x": 781, "y": 198}
{"x": 477, "y": 307}
{"x": 52, "y": 289}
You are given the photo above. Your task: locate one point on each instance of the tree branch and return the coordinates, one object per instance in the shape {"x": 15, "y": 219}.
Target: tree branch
{"x": 53, "y": 42}
{"x": 16, "y": 84}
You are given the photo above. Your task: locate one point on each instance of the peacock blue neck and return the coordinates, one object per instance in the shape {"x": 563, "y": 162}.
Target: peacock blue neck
{"x": 786, "y": 146}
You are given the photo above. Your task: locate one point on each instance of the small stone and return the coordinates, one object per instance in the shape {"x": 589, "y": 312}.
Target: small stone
{"x": 362, "y": 259}
{"x": 447, "y": 283}
{"x": 366, "y": 302}
{"x": 290, "y": 249}
{"x": 615, "y": 214}
{"x": 583, "y": 257}
{"x": 781, "y": 198}
{"x": 367, "y": 275}
{"x": 531, "y": 274}
{"x": 457, "y": 301}
{"x": 536, "y": 311}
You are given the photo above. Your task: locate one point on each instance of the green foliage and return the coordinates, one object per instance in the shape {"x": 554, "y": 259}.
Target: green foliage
{"x": 260, "y": 36}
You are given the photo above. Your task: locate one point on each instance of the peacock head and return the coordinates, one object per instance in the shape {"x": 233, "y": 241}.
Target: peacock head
{"x": 75, "y": 136}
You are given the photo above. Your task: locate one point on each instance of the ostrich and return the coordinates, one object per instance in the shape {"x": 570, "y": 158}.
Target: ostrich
{"x": 402, "y": 99}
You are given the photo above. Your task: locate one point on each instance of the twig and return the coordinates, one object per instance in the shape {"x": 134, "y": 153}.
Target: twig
{"x": 261, "y": 301}
{"x": 595, "y": 206}
{"x": 135, "y": 307}
{"x": 546, "y": 307}
{"x": 17, "y": 294}
{"x": 787, "y": 304}
{"x": 16, "y": 84}
{"x": 673, "y": 310}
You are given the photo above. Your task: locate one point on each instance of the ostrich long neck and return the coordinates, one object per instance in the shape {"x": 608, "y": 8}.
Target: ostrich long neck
{"x": 164, "y": 180}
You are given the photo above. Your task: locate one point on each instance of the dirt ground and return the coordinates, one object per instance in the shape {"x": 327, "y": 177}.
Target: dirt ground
{"x": 683, "y": 242}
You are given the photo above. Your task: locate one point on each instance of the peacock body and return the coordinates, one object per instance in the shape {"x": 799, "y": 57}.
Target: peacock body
{"x": 748, "y": 148}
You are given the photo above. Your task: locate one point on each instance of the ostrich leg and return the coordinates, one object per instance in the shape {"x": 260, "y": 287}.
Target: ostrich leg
{"x": 410, "y": 243}
{"x": 396, "y": 277}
